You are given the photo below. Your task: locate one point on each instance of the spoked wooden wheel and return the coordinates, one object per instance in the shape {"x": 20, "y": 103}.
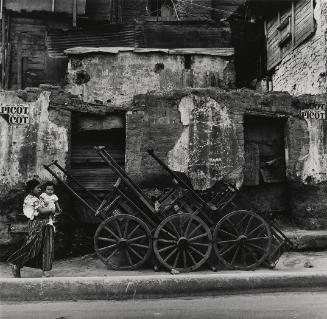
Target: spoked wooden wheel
{"x": 182, "y": 242}
{"x": 242, "y": 240}
{"x": 123, "y": 242}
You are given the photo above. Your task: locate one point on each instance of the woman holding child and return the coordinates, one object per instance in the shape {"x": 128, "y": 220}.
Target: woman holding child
{"x": 37, "y": 251}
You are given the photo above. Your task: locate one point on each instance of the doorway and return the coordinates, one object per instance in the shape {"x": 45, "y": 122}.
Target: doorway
{"x": 264, "y": 173}
{"x": 86, "y": 165}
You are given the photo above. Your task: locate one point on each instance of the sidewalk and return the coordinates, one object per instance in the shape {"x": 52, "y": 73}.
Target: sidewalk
{"x": 87, "y": 278}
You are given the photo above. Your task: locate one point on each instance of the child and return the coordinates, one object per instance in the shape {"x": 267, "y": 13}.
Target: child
{"x": 50, "y": 200}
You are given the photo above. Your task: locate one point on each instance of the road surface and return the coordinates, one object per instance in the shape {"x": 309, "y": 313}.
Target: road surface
{"x": 299, "y": 305}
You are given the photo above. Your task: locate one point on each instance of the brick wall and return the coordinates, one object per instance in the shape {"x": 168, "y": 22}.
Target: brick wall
{"x": 303, "y": 70}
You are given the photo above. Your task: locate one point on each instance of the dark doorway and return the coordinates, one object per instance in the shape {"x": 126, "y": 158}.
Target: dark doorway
{"x": 264, "y": 174}
{"x": 86, "y": 165}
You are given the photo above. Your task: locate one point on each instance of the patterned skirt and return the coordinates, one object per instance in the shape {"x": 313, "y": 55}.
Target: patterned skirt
{"x": 38, "y": 249}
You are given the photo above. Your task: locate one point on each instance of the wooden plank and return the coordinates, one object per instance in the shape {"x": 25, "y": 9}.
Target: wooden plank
{"x": 252, "y": 164}
{"x": 273, "y": 51}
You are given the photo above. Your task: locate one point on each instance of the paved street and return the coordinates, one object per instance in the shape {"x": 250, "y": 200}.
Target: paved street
{"x": 300, "y": 305}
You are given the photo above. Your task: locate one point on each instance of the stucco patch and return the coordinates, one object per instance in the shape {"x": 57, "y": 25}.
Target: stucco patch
{"x": 315, "y": 162}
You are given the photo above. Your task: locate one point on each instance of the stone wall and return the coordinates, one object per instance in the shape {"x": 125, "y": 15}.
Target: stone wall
{"x": 201, "y": 133}
{"x": 116, "y": 76}
{"x": 303, "y": 70}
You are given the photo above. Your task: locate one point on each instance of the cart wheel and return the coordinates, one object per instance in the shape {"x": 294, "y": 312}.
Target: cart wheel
{"x": 182, "y": 242}
{"x": 123, "y": 242}
{"x": 242, "y": 240}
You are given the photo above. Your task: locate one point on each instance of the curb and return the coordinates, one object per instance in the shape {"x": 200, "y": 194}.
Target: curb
{"x": 145, "y": 287}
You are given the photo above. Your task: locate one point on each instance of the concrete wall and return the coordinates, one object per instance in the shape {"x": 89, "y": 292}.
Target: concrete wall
{"x": 116, "y": 78}
{"x": 24, "y": 149}
{"x": 201, "y": 133}
{"x": 303, "y": 70}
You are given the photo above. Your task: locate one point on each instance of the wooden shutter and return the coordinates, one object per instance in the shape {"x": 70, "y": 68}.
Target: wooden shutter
{"x": 304, "y": 24}
{"x": 273, "y": 49}
{"x": 285, "y": 31}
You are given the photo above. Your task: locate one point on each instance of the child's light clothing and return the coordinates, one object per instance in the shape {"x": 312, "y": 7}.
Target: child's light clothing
{"x": 49, "y": 202}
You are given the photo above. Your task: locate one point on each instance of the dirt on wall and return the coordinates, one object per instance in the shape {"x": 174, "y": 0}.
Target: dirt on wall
{"x": 201, "y": 133}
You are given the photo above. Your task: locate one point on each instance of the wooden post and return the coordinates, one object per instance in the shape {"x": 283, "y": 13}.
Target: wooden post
{"x": 8, "y": 66}
{"x": 19, "y": 64}
{"x": 8, "y": 54}
{"x": 111, "y": 7}
{"x": 279, "y": 38}
{"x": 120, "y": 11}
{"x": 74, "y": 13}
{"x": 3, "y": 45}
{"x": 24, "y": 70}
{"x": 53, "y": 5}
{"x": 293, "y": 24}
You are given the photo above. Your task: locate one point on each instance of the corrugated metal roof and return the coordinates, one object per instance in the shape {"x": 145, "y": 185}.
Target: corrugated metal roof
{"x": 107, "y": 36}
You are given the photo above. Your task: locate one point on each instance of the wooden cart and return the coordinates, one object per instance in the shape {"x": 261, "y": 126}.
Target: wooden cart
{"x": 179, "y": 229}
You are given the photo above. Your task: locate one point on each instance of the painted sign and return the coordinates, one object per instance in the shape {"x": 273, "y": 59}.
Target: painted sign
{"x": 313, "y": 114}
{"x": 18, "y": 114}
{"x": 314, "y": 111}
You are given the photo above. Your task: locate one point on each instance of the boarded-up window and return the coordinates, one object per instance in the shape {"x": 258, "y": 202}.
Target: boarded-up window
{"x": 288, "y": 29}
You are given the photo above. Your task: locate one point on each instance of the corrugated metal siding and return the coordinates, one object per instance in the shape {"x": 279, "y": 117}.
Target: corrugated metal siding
{"x": 107, "y": 36}
{"x": 87, "y": 166}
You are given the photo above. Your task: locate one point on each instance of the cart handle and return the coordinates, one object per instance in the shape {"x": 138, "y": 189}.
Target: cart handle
{"x": 55, "y": 162}
{"x": 68, "y": 187}
{"x": 180, "y": 181}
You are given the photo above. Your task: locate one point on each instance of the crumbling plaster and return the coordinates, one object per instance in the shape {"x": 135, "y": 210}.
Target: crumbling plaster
{"x": 25, "y": 148}
{"x": 209, "y": 137}
{"x": 207, "y": 147}
{"x": 115, "y": 77}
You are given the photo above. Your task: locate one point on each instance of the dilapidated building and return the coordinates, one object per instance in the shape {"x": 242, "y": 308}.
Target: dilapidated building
{"x": 143, "y": 74}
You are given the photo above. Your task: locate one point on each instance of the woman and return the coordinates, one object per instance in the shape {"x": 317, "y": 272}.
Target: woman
{"x": 37, "y": 251}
